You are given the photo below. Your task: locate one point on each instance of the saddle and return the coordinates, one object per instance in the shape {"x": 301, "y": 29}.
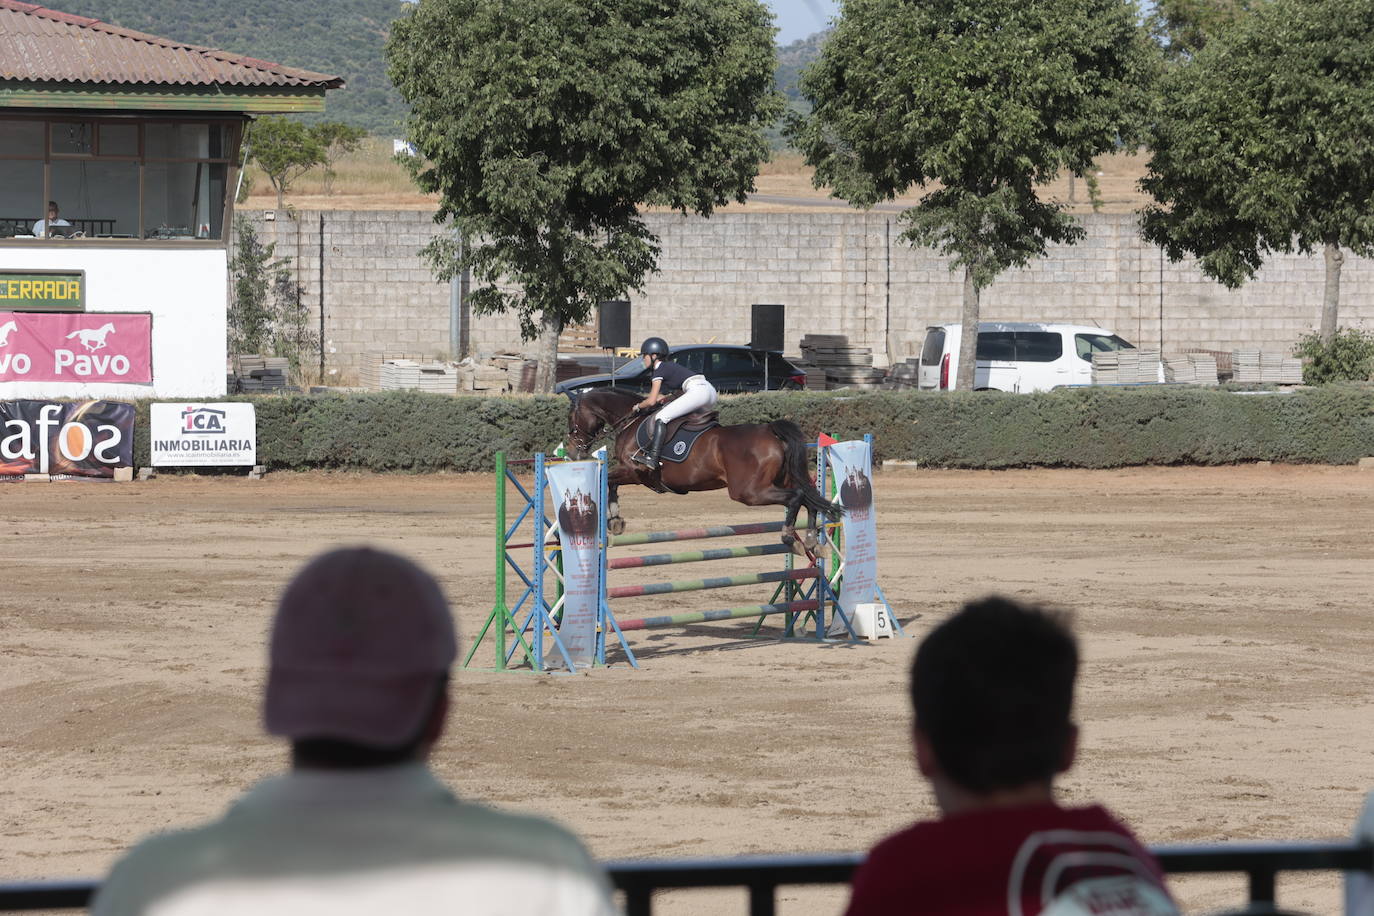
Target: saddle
{"x": 697, "y": 419}
{"x": 680, "y": 435}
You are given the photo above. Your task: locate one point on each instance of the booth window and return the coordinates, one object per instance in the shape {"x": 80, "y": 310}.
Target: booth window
{"x": 116, "y": 178}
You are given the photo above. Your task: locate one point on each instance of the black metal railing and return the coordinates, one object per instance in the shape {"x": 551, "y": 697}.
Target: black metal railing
{"x": 763, "y": 875}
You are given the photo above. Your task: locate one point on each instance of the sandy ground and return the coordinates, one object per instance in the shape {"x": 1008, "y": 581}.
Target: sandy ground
{"x": 1224, "y": 613}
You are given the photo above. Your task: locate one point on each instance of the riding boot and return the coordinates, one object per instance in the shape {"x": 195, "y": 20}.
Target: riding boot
{"x": 651, "y": 459}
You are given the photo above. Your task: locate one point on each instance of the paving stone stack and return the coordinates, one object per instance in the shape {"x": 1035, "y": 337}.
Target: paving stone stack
{"x": 410, "y": 374}
{"x": 254, "y": 374}
{"x": 902, "y": 376}
{"x": 1253, "y": 366}
{"x": 1191, "y": 368}
{"x": 844, "y": 366}
{"x": 1126, "y": 367}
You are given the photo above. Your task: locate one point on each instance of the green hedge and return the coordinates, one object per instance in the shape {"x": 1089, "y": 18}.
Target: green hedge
{"x": 1084, "y": 427}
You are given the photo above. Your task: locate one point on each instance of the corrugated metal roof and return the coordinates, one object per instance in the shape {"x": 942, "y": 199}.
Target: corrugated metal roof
{"x": 43, "y": 45}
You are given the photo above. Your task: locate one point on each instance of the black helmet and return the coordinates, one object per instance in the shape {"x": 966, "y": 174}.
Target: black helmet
{"x": 654, "y": 346}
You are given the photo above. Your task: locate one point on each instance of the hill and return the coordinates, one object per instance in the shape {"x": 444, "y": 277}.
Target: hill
{"x": 792, "y": 59}
{"x": 341, "y": 37}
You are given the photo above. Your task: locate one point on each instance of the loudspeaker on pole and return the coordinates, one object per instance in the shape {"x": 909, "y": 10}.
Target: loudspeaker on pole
{"x": 767, "y": 326}
{"x": 613, "y": 324}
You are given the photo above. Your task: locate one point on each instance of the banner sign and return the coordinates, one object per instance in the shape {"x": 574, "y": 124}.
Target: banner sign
{"x": 83, "y": 439}
{"x": 86, "y": 347}
{"x": 47, "y": 290}
{"x": 203, "y": 435}
{"x": 852, "y": 465}
{"x": 575, "y": 485}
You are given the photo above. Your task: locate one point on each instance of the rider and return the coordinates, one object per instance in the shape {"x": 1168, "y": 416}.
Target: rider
{"x": 697, "y": 393}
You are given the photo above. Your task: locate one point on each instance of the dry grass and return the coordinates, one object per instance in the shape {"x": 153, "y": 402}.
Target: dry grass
{"x": 371, "y": 179}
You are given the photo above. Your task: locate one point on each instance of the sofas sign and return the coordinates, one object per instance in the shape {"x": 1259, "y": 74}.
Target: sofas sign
{"x": 85, "y": 347}
{"x": 85, "y": 439}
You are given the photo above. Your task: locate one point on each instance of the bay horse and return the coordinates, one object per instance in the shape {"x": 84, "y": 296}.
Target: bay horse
{"x": 761, "y": 464}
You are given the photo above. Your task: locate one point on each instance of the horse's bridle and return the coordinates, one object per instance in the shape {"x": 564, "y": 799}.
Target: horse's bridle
{"x": 582, "y": 442}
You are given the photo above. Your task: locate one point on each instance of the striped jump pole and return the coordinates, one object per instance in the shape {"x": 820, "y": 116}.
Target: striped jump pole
{"x": 695, "y": 534}
{"x": 745, "y": 610}
{"x": 697, "y": 556}
{"x": 691, "y": 585}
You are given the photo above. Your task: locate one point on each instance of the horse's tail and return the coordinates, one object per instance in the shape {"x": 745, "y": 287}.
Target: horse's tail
{"x": 797, "y": 469}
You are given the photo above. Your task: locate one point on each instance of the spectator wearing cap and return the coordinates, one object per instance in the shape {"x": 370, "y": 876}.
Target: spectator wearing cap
{"x": 358, "y": 682}
{"x": 992, "y": 690}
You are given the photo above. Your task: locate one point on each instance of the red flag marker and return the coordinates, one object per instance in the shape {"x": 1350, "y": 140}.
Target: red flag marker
{"x": 827, "y": 440}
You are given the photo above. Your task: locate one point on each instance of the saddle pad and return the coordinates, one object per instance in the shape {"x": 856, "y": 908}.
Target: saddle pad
{"x": 676, "y": 447}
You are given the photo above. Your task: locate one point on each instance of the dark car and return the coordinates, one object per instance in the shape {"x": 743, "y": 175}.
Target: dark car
{"x": 731, "y": 369}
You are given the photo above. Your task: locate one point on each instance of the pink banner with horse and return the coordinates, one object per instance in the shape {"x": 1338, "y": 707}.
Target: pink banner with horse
{"x": 81, "y": 347}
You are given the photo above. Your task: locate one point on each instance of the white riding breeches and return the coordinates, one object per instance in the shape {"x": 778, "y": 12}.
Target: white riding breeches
{"x": 697, "y": 393}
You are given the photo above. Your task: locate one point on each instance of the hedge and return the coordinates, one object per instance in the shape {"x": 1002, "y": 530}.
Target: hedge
{"x": 1081, "y": 427}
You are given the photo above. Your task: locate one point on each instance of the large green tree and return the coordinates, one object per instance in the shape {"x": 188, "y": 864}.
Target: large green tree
{"x": 975, "y": 101}
{"x": 545, "y": 125}
{"x": 1262, "y": 143}
{"x": 1183, "y": 27}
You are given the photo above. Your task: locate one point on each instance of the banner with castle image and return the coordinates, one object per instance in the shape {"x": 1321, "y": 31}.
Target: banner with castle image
{"x": 851, "y": 463}
{"x": 576, "y": 488}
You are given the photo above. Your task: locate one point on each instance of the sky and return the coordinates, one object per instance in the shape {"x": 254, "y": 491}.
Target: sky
{"x": 796, "y": 19}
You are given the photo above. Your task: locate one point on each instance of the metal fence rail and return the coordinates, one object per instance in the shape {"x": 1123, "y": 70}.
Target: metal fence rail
{"x": 763, "y": 875}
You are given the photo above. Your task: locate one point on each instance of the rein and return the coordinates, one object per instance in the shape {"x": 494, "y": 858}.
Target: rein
{"x": 612, "y": 431}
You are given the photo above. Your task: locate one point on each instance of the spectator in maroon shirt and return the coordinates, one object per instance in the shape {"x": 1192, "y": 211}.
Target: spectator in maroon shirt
{"x": 992, "y": 689}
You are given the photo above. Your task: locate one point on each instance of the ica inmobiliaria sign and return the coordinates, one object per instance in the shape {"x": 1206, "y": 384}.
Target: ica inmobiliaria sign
{"x": 82, "y": 347}
{"x": 81, "y": 439}
{"x": 201, "y": 435}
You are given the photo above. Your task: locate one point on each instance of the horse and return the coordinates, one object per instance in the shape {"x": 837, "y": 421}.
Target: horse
{"x": 761, "y": 464}
{"x": 5, "y": 330}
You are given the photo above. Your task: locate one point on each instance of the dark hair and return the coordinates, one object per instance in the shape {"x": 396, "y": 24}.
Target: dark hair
{"x": 340, "y": 754}
{"x": 992, "y": 688}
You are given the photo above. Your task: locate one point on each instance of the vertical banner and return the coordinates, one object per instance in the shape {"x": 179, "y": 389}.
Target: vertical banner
{"x": 575, "y": 488}
{"x": 852, "y": 464}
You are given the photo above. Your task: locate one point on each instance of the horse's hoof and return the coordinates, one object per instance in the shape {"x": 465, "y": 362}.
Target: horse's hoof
{"x": 616, "y": 525}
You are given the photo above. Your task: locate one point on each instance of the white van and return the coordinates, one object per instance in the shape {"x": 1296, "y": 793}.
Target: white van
{"x": 1017, "y": 356}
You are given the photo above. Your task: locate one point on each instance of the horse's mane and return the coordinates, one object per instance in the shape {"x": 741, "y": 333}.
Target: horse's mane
{"x": 609, "y": 401}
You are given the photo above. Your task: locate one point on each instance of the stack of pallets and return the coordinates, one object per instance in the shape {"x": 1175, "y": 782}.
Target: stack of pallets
{"x": 843, "y": 366}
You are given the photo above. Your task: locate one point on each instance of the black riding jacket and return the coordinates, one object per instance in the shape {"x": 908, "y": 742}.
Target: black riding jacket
{"x": 672, "y": 374}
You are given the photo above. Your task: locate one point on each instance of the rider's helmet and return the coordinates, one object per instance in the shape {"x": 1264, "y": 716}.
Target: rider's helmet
{"x": 654, "y": 346}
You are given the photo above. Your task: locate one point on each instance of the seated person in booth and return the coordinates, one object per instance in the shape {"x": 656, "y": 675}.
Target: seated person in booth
{"x": 46, "y": 227}
{"x": 992, "y": 688}
{"x": 358, "y": 683}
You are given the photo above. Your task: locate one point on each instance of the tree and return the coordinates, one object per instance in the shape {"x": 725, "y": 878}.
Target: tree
{"x": 1183, "y": 27}
{"x": 1262, "y": 143}
{"x": 975, "y": 101}
{"x": 337, "y": 139}
{"x": 284, "y": 150}
{"x": 267, "y": 311}
{"x": 545, "y": 125}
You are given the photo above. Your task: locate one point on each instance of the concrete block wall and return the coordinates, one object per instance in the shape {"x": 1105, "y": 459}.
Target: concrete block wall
{"x": 379, "y": 295}
{"x": 837, "y": 272}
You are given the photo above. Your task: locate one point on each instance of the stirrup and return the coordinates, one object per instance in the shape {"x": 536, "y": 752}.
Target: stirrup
{"x": 642, "y": 457}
